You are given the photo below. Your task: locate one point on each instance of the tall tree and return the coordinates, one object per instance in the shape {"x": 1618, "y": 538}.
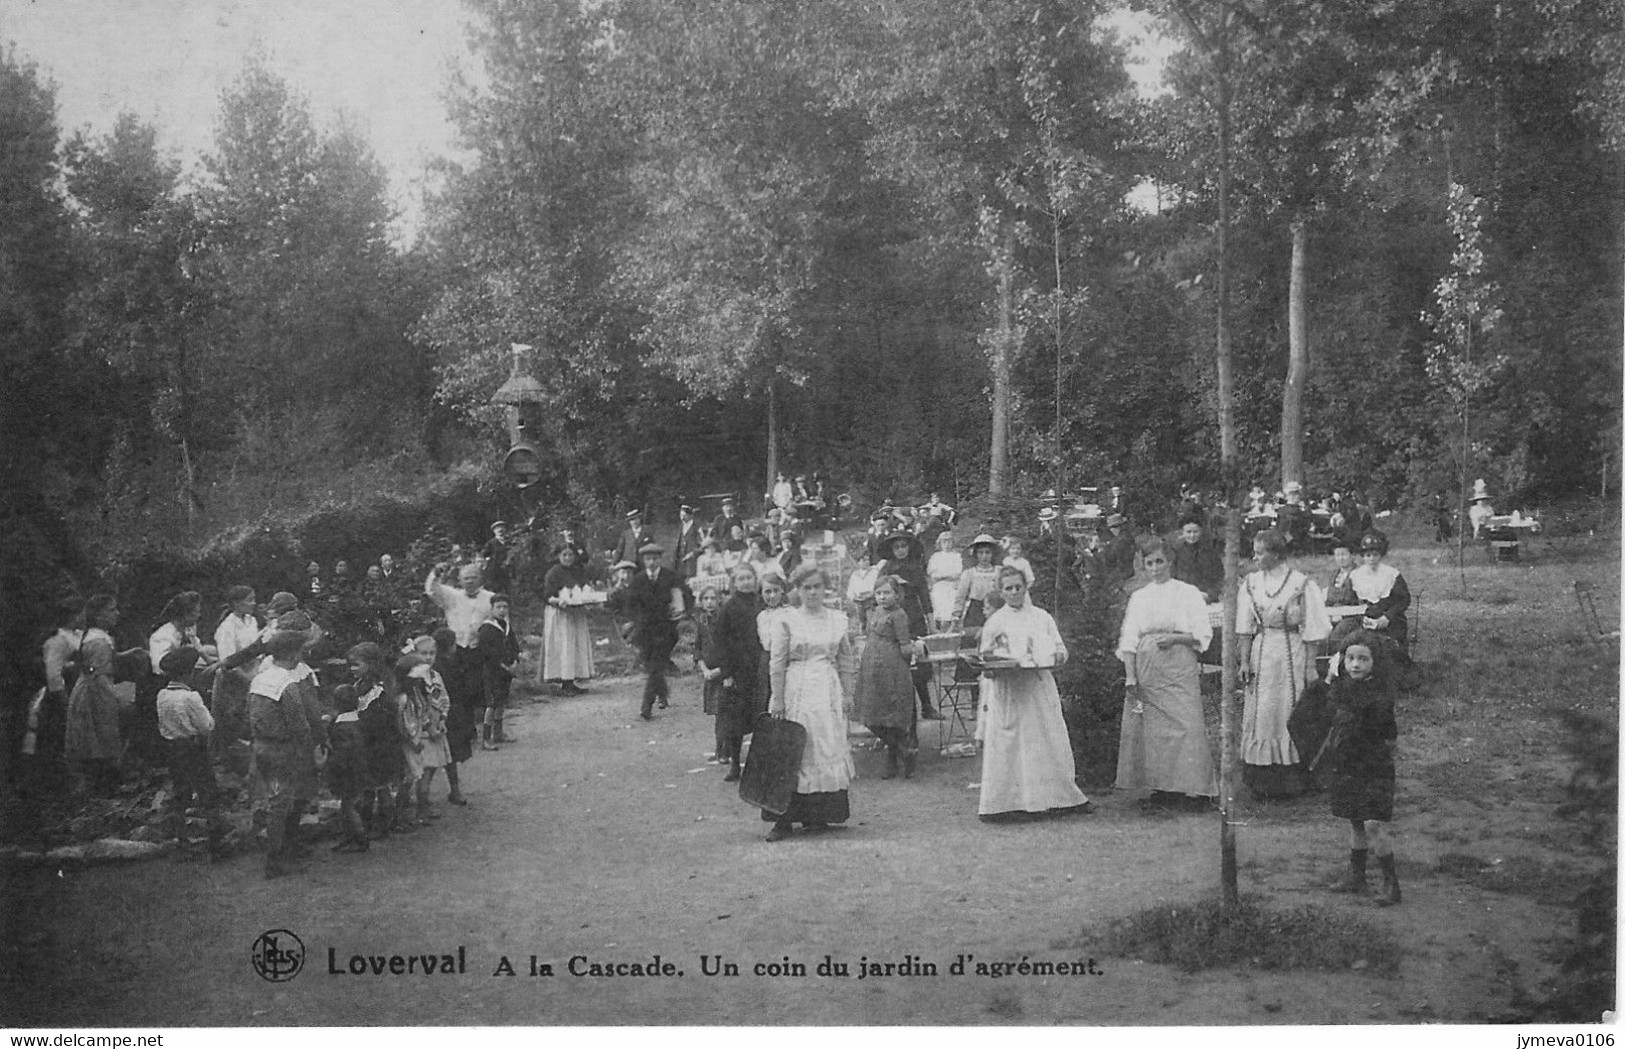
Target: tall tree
{"x": 987, "y": 111}
{"x": 139, "y": 312}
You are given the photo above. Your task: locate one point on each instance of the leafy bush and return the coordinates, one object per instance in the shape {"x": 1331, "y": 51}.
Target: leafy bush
{"x": 271, "y": 555}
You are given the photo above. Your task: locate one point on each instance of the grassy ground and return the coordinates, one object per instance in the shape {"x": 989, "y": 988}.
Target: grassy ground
{"x": 603, "y": 836}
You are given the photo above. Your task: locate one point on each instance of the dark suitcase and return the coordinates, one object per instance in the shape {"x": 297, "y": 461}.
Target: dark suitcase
{"x": 771, "y": 770}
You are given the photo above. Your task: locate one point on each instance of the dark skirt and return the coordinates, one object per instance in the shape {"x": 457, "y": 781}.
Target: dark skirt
{"x": 1363, "y": 788}
{"x": 381, "y": 743}
{"x": 828, "y": 806}
{"x": 190, "y": 770}
{"x": 346, "y": 770}
{"x": 1274, "y": 781}
{"x": 736, "y": 709}
{"x": 711, "y": 697}
{"x": 764, "y": 687}
{"x": 885, "y": 689}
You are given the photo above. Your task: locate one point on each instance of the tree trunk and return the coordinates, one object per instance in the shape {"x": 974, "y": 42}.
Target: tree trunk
{"x": 1229, "y": 715}
{"x": 998, "y": 454}
{"x": 1297, "y": 368}
{"x": 772, "y": 437}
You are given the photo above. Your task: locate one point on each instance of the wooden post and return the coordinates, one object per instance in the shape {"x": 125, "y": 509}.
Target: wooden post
{"x": 1229, "y": 715}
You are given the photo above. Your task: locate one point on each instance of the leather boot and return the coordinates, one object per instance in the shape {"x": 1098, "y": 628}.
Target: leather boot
{"x": 909, "y": 754}
{"x": 1353, "y": 880}
{"x": 1390, "y": 881}
{"x": 891, "y": 764}
{"x": 487, "y": 739}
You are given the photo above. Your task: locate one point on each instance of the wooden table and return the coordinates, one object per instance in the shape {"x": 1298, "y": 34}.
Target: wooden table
{"x": 1505, "y": 534}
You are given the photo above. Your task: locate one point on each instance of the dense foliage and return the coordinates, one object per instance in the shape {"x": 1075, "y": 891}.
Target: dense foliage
{"x": 718, "y": 221}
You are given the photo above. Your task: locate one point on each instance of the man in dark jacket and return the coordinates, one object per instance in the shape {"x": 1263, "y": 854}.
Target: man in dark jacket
{"x": 653, "y": 601}
{"x": 688, "y": 542}
{"x": 633, "y": 539}
{"x": 722, "y": 525}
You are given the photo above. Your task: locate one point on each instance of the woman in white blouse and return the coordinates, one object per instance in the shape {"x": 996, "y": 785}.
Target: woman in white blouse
{"x": 1163, "y": 744}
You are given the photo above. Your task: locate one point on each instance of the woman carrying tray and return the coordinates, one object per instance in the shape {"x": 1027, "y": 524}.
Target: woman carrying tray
{"x": 566, "y": 633}
{"x": 1027, "y": 769}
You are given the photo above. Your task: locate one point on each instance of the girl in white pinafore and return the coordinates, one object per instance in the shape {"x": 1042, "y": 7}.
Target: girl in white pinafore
{"x": 812, "y": 667}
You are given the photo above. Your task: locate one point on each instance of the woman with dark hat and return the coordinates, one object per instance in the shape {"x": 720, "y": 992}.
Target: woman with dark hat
{"x": 789, "y": 558}
{"x": 904, "y": 557}
{"x": 566, "y": 634}
{"x": 1384, "y": 593}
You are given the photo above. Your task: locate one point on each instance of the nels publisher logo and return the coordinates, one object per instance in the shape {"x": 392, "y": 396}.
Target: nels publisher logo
{"x": 278, "y": 955}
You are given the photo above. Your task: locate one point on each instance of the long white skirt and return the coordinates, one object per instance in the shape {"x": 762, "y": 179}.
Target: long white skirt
{"x": 566, "y": 645}
{"x": 1026, "y": 756}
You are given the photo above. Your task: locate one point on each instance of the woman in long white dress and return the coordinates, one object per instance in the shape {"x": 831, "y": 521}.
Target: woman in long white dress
{"x": 1163, "y": 744}
{"x": 812, "y": 668}
{"x": 944, "y": 570}
{"x": 1027, "y": 768}
{"x": 1280, "y": 620}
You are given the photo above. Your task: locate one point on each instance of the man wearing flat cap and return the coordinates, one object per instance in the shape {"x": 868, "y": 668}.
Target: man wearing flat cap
{"x": 652, "y": 600}
{"x": 494, "y": 556}
{"x": 636, "y": 536}
{"x": 722, "y": 525}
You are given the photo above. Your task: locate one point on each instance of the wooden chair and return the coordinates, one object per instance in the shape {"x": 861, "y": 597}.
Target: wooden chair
{"x": 1585, "y": 594}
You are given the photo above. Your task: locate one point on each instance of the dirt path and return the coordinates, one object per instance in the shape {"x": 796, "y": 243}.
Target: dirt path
{"x": 603, "y": 836}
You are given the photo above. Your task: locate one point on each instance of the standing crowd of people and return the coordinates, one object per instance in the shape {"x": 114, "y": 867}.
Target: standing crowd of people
{"x": 773, "y": 637}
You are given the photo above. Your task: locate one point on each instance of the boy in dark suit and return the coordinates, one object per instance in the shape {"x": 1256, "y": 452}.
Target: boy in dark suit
{"x": 653, "y": 601}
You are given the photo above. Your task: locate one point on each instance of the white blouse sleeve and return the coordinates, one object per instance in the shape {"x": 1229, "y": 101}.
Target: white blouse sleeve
{"x": 1195, "y": 615}
{"x": 1128, "y": 639}
{"x": 1317, "y": 625}
{"x": 1247, "y": 618}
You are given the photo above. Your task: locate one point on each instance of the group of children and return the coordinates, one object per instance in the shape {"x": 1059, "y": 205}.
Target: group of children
{"x": 377, "y": 745}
